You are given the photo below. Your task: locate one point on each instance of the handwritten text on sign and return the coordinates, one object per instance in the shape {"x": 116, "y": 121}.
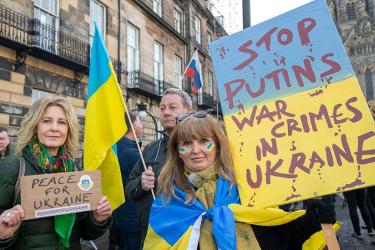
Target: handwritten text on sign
{"x": 296, "y": 117}
{"x": 61, "y": 193}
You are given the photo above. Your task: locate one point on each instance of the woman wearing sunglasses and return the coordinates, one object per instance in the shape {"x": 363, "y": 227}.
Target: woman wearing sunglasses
{"x": 198, "y": 205}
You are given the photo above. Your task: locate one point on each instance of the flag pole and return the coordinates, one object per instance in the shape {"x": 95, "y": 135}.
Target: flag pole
{"x": 139, "y": 149}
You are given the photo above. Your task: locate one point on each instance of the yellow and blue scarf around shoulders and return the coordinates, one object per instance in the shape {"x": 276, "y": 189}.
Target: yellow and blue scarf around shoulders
{"x": 176, "y": 225}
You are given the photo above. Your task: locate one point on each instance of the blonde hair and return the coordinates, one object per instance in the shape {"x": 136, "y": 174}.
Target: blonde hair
{"x": 29, "y": 124}
{"x": 173, "y": 170}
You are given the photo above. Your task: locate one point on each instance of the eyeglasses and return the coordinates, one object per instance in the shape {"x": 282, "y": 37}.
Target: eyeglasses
{"x": 198, "y": 114}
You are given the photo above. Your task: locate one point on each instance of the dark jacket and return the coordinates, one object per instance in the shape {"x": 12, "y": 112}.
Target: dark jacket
{"x": 9, "y": 154}
{"x": 125, "y": 217}
{"x": 40, "y": 234}
{"x": 155, "y": 155}
{"x": 289, "y": 236}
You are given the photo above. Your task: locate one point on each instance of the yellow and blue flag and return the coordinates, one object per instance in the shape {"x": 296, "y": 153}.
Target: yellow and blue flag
{"x": 105, "y": 123}
{"x": 175, "y": 225}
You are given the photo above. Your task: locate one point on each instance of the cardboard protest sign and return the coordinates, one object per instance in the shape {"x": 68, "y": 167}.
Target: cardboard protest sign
{"x": 61, "y": 193}
{"x": 294, "y": 112}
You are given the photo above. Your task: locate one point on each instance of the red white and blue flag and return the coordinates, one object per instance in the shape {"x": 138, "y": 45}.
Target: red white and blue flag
{"x": 194, "y": 71}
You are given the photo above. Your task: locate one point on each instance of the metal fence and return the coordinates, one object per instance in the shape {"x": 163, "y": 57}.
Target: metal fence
{"x": 46, "y": 42}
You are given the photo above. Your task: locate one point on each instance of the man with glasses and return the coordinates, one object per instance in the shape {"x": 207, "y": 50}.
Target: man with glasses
{"x": 173, "y": 103}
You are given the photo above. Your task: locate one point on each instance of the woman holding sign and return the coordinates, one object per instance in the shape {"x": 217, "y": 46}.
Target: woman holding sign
{"x": 47, "y": 141}
{"x": 198, "y": 205}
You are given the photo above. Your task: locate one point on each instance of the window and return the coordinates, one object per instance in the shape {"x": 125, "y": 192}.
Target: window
{"x": 210, "y": 83}
{"x": 351, "y": 51}
{"x": 200, "y": 91}
{"x": 178, "y": 72}
{"x": 158, "y": 65}
{"x": 369, "y": 85}
{"x": 209, "y": 40}
{"x": 197, "y": 29}
{"x": 177, "y": 20}
{"x": 160, "y": 128}
{"x": 157, "y": 7}
{"x": 97, "y": 15}
{"x": 350, "y": 11}
{"x": 132, "y": 59}
{"x": 36, "y": 94}
{"x": 200, "y": 96}
{"x": 46, "y": 11}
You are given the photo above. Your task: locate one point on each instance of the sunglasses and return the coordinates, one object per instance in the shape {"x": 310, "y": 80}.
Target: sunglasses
{"x": 198, "y": 114}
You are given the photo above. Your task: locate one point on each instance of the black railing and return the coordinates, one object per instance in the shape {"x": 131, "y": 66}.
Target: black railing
{"x": 146, "y": 84}
{"x": 46, "y": 42}
{"x": 14, "y": 26}
{"x": 60, "y": 43}
{"x": 206, "y": 100}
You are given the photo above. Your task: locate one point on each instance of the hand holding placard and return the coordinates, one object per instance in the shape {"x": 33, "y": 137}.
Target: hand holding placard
{"x": 61, "y": 193}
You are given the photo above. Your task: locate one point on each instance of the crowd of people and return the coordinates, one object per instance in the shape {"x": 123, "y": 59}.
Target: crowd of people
{"x": 190, "y": 169}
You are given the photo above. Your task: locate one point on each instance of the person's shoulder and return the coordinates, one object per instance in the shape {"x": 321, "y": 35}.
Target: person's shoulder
{"x": 154, "y": 143}
{"x": 9, "y": 167}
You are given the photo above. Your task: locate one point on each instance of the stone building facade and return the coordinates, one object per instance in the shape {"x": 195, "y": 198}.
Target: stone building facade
{"x": 355, "y": 22}
{"x": 45, "y": 46}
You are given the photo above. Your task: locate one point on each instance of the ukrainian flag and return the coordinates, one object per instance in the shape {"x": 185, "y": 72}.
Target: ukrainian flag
{"x": 174, "y": 225}
{"x": 105, "y": 123}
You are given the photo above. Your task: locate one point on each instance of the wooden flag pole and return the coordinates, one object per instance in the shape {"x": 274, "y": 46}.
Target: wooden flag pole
{"x": 139, "y": 149}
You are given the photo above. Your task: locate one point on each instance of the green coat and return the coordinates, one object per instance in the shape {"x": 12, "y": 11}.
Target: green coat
{"x": 40, "y": 234}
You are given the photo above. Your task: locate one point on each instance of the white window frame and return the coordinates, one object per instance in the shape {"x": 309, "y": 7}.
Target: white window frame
{"x": 158, "y": 64}
{"x": 178, "y": 71}
{"x": 157, "y": 7}
{"x": 177, "y": 19}
{"x": 160, "y": 128}
{"x": 38, "y": 10}
{"x": 200, "y": 91}
{"x": 48, "y": 11}
{"x": 200, "y": 96}
{"x": 197, "y": 29}
{"x": 36, "y": 94}
{"x": 96, "y": 17}
{"x": 132, "y": 48}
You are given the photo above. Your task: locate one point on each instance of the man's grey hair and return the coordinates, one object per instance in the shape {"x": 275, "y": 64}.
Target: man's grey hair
{"x": 2, "y": 129}
{"x": 186, "y": 99}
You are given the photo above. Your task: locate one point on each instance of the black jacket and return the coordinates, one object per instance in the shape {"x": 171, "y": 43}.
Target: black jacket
{"x": 40, "y": 234}
{"x": 125, "y": 217}
{"x": 155, "y": 155}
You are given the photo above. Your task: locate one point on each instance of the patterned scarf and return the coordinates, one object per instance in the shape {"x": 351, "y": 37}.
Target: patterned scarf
{"x": 205, "y": 183}
{"x": 57, "y": 164}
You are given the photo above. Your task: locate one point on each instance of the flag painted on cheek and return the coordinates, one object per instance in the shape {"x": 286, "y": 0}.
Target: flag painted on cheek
{"x": 210, "y": 146}
{"x": 182, "y": 150}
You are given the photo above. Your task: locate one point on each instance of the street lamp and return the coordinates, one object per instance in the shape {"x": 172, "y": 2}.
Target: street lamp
{"x": 142, "y": 111}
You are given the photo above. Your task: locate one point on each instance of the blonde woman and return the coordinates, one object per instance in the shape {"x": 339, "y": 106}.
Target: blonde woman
{"x": 48, "y": 142}
{"x": 198, "y": 202}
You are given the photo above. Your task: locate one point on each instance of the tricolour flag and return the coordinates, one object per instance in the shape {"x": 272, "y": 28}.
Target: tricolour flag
{"x": 105, "y": 123}
{"x": 193, "y": 71}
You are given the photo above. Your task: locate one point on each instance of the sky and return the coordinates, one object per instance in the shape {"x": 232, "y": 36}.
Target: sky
{"x": 261, "y": 10}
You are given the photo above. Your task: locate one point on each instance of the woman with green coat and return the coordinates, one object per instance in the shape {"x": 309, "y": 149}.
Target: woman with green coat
{"x": 47, "y": 141}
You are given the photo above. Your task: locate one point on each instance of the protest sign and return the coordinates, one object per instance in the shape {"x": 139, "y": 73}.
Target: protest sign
{"x": 295, "y": 115}
{"x": 61, "y": 193}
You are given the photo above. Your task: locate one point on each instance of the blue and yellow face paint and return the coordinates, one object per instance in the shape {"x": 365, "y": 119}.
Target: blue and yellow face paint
{"x": 182, "y": 150}
{"x": 210, "y": 146}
